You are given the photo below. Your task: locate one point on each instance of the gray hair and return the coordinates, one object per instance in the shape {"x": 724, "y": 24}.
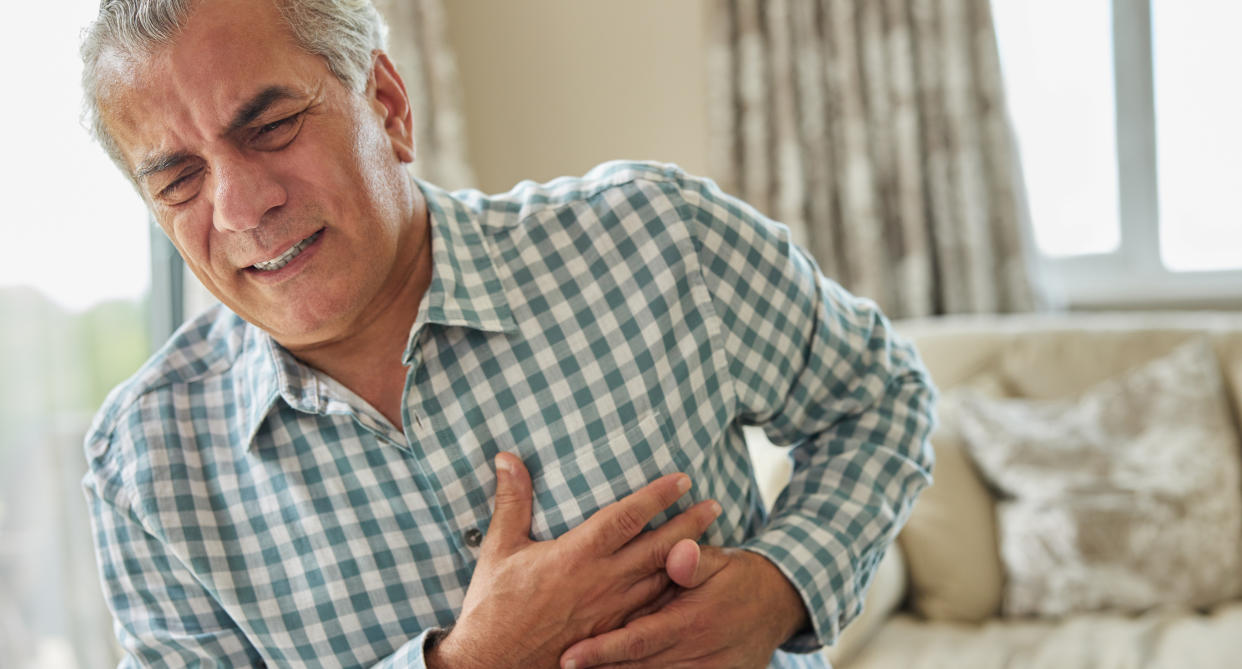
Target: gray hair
{"x": 343, "y": 32}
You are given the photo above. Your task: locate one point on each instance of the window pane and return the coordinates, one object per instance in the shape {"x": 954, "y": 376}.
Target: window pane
{"x": 1199, "y": 139}
{"x": 74, "y": 273}
{"x": 1056, "y": 56}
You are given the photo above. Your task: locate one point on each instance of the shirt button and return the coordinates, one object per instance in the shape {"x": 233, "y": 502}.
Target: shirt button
{"x": 473, "y": 537}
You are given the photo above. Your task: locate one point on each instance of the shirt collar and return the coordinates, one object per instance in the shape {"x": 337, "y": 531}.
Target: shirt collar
{"x": 465, "y": 289}
{"x": 272, "y": 372}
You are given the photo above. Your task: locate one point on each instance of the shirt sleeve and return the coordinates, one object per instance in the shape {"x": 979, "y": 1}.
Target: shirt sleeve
{"x": 821, "y": 370}
{"x": 163, "y": 616}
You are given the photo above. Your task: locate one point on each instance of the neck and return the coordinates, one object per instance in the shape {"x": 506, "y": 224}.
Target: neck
{"x": 368, "y": 361}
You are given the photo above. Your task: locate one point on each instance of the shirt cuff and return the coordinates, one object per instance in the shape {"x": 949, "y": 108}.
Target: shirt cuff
{"x": 411, "y": 654}
{"x": 824, "y": 626}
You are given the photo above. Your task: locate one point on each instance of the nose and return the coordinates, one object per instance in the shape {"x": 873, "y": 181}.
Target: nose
{"x": 245, "y": 190}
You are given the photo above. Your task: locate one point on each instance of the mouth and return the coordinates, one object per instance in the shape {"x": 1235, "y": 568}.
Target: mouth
{"x": 288, "y": 256}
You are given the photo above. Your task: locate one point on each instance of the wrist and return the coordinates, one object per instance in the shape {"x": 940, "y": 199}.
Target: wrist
{"x": 790, "y": 615}
{"x": 458, "y": 647}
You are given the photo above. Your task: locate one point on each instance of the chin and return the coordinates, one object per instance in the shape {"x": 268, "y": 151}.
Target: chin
{"x": 309, "y": 324}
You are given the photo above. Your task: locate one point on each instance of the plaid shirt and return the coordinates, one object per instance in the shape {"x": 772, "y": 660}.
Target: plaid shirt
{"x": 608, "y": 329}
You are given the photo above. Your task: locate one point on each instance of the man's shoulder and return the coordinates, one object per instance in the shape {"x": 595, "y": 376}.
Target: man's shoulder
{"x": 619, "y": 173}
{"x": 602, "y": 177}
{"x": 532, "y": 201}
{"x": 205, "y": 347}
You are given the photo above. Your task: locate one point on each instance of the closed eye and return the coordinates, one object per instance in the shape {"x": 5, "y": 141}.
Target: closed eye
{"x": 273, "y": 127}
{"x": 175, "y": 192}
{"x": 277, "y": 134}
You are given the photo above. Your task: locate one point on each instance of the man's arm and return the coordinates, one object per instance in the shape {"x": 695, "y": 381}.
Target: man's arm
{"x": 821, "y": 370}
{"x": 164, "y": 616}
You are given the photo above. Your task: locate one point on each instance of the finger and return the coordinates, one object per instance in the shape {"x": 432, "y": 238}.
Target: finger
{"x": 640, "y": 599}
{"x": 614, "y": 525}
{"x": 668, "y": 594}
{"x": 509, "y": 528}
{"x": 690, "y": 566}
{"x": 649, "y": 551}
{"x": 639, "y": 639}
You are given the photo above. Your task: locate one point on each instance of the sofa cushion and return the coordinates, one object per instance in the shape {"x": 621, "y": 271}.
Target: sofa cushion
{"x": 950, "y": 540}
{"x": 1061, "y": 364}
{"x": 1126, "y": 497}
{"x": 1035, "y": 348}
{"x": 1158, "y": 639}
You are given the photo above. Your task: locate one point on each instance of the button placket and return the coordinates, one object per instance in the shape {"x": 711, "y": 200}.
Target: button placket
{"x": 420, "y": 426}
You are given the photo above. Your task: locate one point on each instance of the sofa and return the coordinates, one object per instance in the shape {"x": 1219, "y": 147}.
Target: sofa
{"x": 1086, "y": 509}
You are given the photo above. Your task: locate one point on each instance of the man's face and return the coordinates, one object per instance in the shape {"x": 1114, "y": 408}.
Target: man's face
{"x": 284, "y": 192}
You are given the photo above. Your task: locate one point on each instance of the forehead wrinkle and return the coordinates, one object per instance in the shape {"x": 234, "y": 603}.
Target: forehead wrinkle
{"x": 172, "y": 95}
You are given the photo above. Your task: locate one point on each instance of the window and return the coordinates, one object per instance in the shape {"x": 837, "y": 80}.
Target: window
{"x": 1061, "y": 98}
{"x": 1198, "y": 104}
{"x": 74, "y": 277}
{"x": 1124, "y": 112}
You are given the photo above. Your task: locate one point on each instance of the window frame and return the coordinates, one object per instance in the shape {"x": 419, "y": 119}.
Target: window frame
{"x": 1134, "y": 275}
{"x": 167, "y": 298}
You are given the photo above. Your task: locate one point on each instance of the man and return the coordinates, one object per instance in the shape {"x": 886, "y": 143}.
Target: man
{"x": 306, "y": 476}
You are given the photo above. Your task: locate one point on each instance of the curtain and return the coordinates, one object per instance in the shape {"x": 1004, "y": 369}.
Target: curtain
{"x": 418, "y": 45}
{"x": 877, "y": 130}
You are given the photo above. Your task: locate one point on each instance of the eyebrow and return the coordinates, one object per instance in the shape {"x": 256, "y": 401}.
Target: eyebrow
{"x": 160, "y": 163}
{"x": 251, "y": 110}
{"x": 257, "y": 105}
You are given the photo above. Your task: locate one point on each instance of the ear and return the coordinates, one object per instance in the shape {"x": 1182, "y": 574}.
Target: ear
{"x": 390, "y": 100}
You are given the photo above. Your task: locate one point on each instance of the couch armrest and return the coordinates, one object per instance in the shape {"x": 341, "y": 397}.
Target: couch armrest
{"x": 885, "y": 596}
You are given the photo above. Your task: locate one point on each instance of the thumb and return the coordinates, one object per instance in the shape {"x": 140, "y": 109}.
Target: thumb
{"x": 509, "y": 528}
{"x": 689, "y": 566}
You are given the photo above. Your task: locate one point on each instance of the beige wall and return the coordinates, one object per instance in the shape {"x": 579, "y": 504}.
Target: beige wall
{"x": 553, "y": 87}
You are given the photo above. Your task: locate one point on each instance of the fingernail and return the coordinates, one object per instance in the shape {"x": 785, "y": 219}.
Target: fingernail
{"x": 503, "y": 465}
{"x": 716, "y": 508}
{"x": 571, "y": 664}
{"x": 683, "y": 484}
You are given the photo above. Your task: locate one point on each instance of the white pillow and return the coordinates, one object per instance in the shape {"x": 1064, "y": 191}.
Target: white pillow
{"x": 1126, "y": 497}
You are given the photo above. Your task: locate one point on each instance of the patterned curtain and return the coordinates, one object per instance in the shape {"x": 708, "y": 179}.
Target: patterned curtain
{"x": 418, "y": 45}
{"x": 877, "y": 130}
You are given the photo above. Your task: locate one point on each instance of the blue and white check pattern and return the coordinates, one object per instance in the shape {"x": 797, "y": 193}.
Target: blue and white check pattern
{"x": 607, "y": 329}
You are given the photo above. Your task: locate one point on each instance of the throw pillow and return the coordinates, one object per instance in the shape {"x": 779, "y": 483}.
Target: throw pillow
{"x": 1124, "y": 498}
{"x": 950, "y": 540}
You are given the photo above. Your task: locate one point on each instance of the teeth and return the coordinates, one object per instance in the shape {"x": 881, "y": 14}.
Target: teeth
{"x": 286, "y": 257}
